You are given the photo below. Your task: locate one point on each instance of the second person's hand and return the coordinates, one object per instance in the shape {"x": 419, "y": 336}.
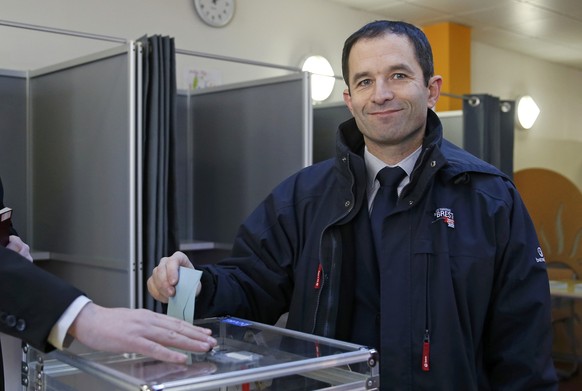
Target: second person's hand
{"x": 16, "y": 244}
{"x": 141, "y": 331}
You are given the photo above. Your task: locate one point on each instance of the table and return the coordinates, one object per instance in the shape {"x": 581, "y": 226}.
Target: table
{"x": 564, "y": 292}
{"x": 571, "y": 289}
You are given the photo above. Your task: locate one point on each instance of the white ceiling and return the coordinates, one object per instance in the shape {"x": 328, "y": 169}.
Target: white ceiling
{"x": 547, "y": 29}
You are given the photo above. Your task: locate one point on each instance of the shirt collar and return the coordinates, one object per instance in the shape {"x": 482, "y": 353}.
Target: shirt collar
{"x": 373, "y": 164}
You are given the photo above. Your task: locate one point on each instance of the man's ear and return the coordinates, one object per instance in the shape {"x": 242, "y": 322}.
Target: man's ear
{"x": 348, "y": 99}
{"x": 434, "y": 90}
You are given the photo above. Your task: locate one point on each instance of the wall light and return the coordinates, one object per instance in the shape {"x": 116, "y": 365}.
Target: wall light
{"x": 322, "y": 77}
{"x": 527, "y": 112}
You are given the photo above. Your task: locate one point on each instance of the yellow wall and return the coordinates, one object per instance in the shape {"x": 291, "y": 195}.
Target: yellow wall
{"x": 451, "y": 46}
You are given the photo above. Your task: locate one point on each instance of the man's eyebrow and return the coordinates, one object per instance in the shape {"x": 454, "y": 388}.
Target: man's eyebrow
{"x": 359, "y": 75}
{"x": 401, "y": 67}
{"x": 393, "y": 68}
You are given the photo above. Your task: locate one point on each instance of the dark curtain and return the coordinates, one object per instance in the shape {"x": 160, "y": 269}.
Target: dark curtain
{"x": 506, "y": 139}
{"x": 488, "y": 129}
{"x": 160, "y": 224}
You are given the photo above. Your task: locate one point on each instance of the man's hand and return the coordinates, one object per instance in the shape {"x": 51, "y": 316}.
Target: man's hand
{"x": 16, "y": 244}
{"x": 122, "y": 330}
{"x": 162, "y": 282}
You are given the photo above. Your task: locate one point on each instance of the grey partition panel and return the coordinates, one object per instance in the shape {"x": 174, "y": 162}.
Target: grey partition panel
{"x": 13, "y": 155}
{"x": 326, "y": 119}
{"x": 246, "y": 139}
{"x": 83, "y": 165}
{"x": 452, "y": 122}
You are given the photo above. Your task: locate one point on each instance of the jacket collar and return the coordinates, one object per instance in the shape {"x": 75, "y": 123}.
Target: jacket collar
{"x": 350, "y": 142}
{"x": 350, "y": 139}
{"x": 438, "y": 156}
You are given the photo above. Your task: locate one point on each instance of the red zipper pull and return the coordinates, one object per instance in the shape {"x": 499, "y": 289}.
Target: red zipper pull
{"x": 318, "y": 277}
{"x": 426, "y": 352}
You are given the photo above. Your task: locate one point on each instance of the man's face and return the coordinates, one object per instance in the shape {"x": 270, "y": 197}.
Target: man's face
{"x": 388, "y": 96}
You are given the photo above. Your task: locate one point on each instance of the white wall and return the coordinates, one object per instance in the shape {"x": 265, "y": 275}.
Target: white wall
{"x": 280, "y": 32}
{"x": 283, "y": 32}
{"x": 555, "y": 141}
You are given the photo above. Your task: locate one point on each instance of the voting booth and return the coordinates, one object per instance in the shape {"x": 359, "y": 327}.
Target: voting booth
{"x": 74, "y": 169}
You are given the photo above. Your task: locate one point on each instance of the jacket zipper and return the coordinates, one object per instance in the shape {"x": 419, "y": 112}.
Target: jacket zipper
{"x": 321, "y": 276}
{"x": 426, "y": 351}
{"x": 319, "y": 283}
{"x": 426, "y": 340}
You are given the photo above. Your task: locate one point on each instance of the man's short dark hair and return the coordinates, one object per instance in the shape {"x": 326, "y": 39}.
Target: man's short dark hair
{"x": 376, "y": 29}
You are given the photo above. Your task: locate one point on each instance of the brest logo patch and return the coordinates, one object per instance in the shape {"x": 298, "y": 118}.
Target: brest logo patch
{"x": 446, "y": 215}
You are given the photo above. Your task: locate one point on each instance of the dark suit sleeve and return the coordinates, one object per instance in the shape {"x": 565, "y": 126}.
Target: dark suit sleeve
{"x": 31, "y": 299}
{"x": 12, "y": 230}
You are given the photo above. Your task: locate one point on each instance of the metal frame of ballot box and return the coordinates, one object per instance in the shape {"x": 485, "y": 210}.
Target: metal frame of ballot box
{"x": 250, "y": 356}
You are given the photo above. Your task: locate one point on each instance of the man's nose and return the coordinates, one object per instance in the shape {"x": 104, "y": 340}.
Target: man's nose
{"x": 383, "y": 91}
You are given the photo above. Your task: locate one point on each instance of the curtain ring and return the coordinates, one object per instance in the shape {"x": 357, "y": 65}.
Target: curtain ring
{"x": 474, "y": 101}
{"x": 505, "y": 107}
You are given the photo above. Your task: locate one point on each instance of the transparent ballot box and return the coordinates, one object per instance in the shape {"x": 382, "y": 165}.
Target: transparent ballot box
{"x": 249, "y": 356}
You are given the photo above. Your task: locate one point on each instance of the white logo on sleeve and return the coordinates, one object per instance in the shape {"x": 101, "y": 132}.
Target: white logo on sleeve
{"x": 541, "y": 254}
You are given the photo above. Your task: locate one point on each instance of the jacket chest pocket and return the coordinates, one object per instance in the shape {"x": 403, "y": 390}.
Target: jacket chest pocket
{"x": 453, "y": 255}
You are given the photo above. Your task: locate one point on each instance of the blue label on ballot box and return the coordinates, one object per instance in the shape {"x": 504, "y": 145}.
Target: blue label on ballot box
{"x": 236, "y": 322}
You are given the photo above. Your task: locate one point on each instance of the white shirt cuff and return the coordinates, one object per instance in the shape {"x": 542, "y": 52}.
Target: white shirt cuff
{"x": 58, "y": 336}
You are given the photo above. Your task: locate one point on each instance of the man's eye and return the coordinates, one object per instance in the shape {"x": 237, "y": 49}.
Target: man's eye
{"x": 399, "y": 76}
{"x": 364, "y": 83}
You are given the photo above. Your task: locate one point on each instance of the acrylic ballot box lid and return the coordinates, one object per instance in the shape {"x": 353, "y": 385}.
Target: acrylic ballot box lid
{"x": 249, "y": 356}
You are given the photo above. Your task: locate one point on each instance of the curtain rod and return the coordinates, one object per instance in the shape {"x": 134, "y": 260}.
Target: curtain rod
{"x": 62, "y": 31}
{"x": 243, "y": 61}
{"x": 123, "y": 40}
{"x": 472, "y": 100}
{"x": 238, "y": 60}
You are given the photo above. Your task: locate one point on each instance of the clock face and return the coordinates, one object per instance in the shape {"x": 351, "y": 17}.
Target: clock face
{"x": 216, "y": 13}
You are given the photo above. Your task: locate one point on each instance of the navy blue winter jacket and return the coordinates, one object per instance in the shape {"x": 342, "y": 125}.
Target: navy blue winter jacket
{"x": 465, "y": 273}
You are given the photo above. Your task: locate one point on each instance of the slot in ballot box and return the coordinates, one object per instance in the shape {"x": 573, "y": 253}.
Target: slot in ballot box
{"x": 249, "y": 356}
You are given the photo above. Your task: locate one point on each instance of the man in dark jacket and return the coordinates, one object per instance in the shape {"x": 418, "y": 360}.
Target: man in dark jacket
{"x": 454, "y": 293}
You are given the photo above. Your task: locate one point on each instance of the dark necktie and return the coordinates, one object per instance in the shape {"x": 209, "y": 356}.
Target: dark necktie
{"x": 386, "y": 197}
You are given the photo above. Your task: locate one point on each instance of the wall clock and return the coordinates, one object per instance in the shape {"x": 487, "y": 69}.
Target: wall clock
{"x": 215, "y": 13}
